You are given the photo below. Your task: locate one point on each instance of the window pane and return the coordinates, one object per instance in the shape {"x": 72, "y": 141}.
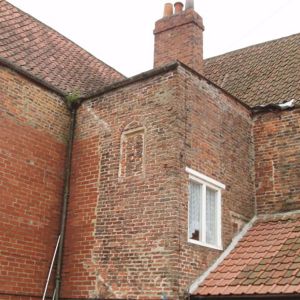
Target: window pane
{"x": 211, "y": 217}
{"x": 195, "y": 211}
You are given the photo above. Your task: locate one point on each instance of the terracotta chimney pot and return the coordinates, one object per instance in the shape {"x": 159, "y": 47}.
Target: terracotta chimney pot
{"x": 178, "y": 7}
{"x": 179, "y": 37}
{"x": 168, "y": 10}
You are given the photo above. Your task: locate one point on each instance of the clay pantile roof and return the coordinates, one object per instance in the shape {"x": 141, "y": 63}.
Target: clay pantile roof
{"x": 49, "y": 56}
{"x": 260, "y": 74}
{"x": 265, "y": 261}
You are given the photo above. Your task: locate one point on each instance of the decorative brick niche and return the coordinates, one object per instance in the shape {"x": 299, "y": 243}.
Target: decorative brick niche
{"x": 132, "y": 152}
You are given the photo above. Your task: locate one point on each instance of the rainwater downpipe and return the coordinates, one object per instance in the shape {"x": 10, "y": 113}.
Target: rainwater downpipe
{"x": 66, "y": 193}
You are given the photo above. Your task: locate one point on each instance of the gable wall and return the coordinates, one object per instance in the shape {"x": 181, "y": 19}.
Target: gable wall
{"x": 33, "y": 126}
{"x": 277, "y": 161}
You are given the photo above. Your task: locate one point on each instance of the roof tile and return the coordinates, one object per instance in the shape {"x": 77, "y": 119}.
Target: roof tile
{"x": 260, "y": 74}
{"x": 46, "y": 54}
{"x": 268, "y": 266}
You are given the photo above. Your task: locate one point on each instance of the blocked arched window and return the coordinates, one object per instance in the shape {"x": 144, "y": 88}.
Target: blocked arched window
{"x": 132, "y": 153}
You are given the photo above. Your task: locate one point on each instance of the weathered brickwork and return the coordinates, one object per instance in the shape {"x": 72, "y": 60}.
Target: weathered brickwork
{"x": 277, "y": 161}
{"x": 33, "y": 124}
{"x": 129, "y": 219}
{"x": 127, "y": 216}
{"x": 80, "y": 270}
{"x": 127, "y": 231}
{"x": 217, "y": 142}
{"x": 10, "y": 297}
{"x": 179, "y": 37}
{"x": 132, "y": 151}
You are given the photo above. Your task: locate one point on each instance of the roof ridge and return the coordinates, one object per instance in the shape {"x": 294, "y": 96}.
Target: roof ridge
{"x": 251, "y": 46}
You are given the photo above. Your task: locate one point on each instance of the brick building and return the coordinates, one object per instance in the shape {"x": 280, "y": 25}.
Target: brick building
{"x": 179, "y": 182}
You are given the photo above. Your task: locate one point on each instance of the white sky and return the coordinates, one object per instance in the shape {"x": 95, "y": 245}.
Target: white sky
{"x": 120, "y": 32}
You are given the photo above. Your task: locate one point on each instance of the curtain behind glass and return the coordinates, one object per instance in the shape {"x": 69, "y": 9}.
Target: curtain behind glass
{"x": 211, "y": 217}
{"x": 195, "y": 204}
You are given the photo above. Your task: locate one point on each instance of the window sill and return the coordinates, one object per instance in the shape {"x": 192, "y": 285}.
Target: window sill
{"x": 205, "y": 244}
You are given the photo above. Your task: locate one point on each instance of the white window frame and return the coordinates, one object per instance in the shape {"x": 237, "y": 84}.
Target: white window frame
{"x": 217, "y": 186}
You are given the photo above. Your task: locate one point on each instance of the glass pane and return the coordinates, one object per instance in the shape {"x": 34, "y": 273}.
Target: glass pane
{"x": 195, "y": 211}
{"x": 211, "y": 217}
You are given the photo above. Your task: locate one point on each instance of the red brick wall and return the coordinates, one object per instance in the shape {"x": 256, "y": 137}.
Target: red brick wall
{"x": 120, "y": 224}
{"x": 217, "y": 143}
{"x": 179, "y": 37}
{"x": 33, "y": 123}
{"x": 277, "y": 161}
{"x": 80, "y": 270}
{"x": 127, "y": 231}
{"x": 10, "y": 297}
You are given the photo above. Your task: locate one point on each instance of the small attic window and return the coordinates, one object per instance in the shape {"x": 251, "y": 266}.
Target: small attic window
{"x": 204, "y": 216}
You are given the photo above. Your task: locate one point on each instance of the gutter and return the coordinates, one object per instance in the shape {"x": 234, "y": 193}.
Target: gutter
{"x": 154, "y": 72}
{"x": 72, "y": 106}
{"x": 286, "y": 105}
{"x": 136, "y": 78}
{"x": 28, "y": 75}
{"x": 119, "y": 84}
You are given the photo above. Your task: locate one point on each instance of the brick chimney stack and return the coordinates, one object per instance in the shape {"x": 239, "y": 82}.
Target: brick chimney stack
{"x": 179, "y": 36}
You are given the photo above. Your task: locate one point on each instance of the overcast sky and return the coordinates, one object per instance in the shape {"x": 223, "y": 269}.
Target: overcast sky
{"x": 120, "y": 32}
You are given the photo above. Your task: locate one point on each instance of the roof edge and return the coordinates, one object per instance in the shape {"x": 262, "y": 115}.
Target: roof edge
{"x": 29, "y": 76}
{"x": 194, "y": 286}
{"x": 65, "y": 37}
{"x": 127, "y": 81}
{"x": 215, "y": 85}
{"x": 156, "y": 71}
{"x": 282, "y": 106}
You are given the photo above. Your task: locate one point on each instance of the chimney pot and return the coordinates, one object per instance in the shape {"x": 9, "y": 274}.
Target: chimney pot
{"x": 179, "y": 37}
{"x": 189, "y": 4}
{"x": 168, "y": 10}
{"x": 178, "y": 7}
